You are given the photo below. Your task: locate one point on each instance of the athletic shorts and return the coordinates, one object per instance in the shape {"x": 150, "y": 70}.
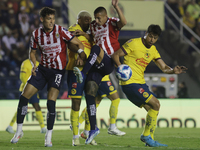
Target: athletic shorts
{"x": 51, "y": 77}
{"x": 106, "y": 88}
{"x": 34, "y": 99}
{"x": 75, "y": 90}
{"x": 138, "y": 94}
{"x": 97, "y": 72}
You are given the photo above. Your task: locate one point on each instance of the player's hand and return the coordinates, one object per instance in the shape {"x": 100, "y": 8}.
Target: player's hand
{"x": 78, "y": 33}
{"x": 79, "y": 62}
{"x": 83, "y": 56}
{"x": 33, "y": 70}
{"x": 180, "y": 69}
{"x": 115, "y": 3}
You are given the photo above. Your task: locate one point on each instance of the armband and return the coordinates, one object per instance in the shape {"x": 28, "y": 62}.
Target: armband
{"x": 80, "y": 51}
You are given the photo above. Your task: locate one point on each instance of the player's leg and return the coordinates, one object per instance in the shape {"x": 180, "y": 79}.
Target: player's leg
{"x": 12, "y": 122}
{"x": 28, "y": 92}
{"x": 91, "y": 90}
{"x": 54, "y": 80}
{"x": 75, "y": 92}
{"x": 34, "y": 100}
{"x": 113, "y": 114}
{"x": 140, "y": 95}
{"x": 74, "y": 117}
{"x": 51, "y": 107}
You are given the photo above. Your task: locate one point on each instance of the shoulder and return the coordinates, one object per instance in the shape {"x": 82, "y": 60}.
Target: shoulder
{"x": 113, "y": 19}
{"x": 75, "y": 27}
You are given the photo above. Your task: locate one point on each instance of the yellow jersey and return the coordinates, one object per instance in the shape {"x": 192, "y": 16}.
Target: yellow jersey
{"x": 138, "y": 57}
{"x": 72, "y": 57}
{"x": 25, "y": 72}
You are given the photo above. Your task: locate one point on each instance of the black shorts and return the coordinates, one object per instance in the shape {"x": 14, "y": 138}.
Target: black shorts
{"x": 51, "y": 77}
{"x": 98, "y": 71}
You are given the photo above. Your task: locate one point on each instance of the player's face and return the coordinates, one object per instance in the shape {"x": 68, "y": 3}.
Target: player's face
{"x": 150, "y": 39}
{"x": 101, "y": 18}
{"x": 84, "y": 22}
{"x": 48, "y": 22}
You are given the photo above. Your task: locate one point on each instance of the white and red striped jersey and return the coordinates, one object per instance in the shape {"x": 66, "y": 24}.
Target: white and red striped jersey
{"x": 52, "y": 46}
{"x": 106, "y": 36}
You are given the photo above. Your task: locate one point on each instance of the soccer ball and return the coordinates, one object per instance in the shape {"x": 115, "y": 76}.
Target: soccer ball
{"x": 124, "y": 72}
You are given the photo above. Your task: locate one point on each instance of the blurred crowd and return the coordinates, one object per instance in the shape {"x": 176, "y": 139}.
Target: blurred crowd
{"x": 18, "y": 18}
{"x": 189, "y": 11}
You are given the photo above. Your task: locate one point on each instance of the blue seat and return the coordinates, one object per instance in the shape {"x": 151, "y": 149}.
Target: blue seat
{"x": 8, "y": 84}
{"x": 17, "y": 83}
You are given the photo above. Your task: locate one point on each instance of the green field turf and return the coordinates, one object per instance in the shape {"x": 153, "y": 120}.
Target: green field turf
{"x": 176, "y": 139}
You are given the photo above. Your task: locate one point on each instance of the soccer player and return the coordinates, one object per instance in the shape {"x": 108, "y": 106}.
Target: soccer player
{"x": 25, "y": 73}
{"x": 138, "y": 53}
{"x": 76, "y": 89}
{"x": 106, "y": 89}
{"x": 105, "y": 32}
{"x": 51, "y": 41}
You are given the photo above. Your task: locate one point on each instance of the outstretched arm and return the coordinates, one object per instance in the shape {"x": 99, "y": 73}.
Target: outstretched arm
{"x": 168, "y": 70}
{"x": 122, "y": 21}
{"x": 119, "y": 53}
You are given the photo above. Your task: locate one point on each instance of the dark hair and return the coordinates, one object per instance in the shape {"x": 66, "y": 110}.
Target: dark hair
{"x": 155, "y": 29}
{"x": 100, "y": 9}
{"x": 47, "y": 11}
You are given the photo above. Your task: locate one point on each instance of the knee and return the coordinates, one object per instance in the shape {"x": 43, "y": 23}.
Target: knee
{"x": 76, "y": 104}
{"x": 157, "y": 105}
{"x": 95, "y": 49}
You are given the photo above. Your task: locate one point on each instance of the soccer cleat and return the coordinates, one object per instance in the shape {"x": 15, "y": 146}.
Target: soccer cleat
{"x": 116, "y": 131}
{"x": 9, "y": 129}
{"x": 48, "y": 142}
{"x": 43, "y": 130}
{"x": 75, "y": 142}
{"x": 150, "y": 142}
{"x": 83, "y": 136}
{"x": 16, "y": 137}
{"x": 92, "y": 135}
{"x": 79, "y": 74}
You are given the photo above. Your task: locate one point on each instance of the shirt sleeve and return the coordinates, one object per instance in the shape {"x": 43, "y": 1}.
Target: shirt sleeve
{"x": 156, "y": 55}
{"x": 33, "y": 43}
{"x": 128, "y": 46}
{"x": 66, "y": 35}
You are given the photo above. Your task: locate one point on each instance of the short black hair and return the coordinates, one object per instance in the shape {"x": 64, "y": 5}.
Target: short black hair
{"x": 100, "y": 9}
{"x": 155, "y": 29}
{"x": 47, "y": 11}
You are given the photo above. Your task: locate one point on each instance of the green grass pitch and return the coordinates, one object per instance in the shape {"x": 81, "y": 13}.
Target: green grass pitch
{"x": 175, "y": 138}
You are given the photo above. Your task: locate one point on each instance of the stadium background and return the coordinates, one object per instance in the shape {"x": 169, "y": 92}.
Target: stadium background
{"x": 139, "y": 15}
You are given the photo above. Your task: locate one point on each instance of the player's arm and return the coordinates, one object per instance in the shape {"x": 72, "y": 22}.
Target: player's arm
{"x": 32, "y": 57}
{"x": 78, "y": 48}
{"x": 88, "y": 36}
{"x": 168, "y": 70}
{"x": 122, "y": 21}
{"x": 119, "y": 53}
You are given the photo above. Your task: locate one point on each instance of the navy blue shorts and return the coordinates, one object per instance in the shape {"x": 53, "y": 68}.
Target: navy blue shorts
{"x": 98, "y": 71}
{"x": 75, "y": 90}
{"x": 51, "y": 77}
{"x": 106, "y": 88}
{"x": 138, "y": 94}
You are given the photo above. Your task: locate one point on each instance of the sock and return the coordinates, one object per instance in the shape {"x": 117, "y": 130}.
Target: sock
{"x": 49, "y": 134}
{"x": 50, "y": 114}
{"x": 86, "y": 132}
{"x": 150, "y": 125}
{"x": 74, "y": 117}
{"x": 91, "y": 59}
{"x": 40, "y": 119}
{"x": 113, "y": 111}
{"x": 75, "y": 136}
{"x": 19, "y": 127}
{"x": 82, "y": 116}
{"x": 22, "y": 109}
{"x": 13, "y": 120}
{"x": 91, "y": 110}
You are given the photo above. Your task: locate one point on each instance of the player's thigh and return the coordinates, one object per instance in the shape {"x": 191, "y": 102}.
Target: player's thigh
{"x": 52, "y": 93}
{"x": 75, "y": 90}
{"x": 138, "y": 94}
{"x": 107, "y": 89}
{"x": 29, "y": 91}
{"x": 154, "y": 103}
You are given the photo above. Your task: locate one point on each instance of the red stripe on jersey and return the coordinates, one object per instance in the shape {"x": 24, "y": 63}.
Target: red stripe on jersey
{"x": 41, "y": 37}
